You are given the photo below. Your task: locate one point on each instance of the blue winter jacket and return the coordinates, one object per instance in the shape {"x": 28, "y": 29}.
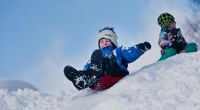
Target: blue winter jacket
{"x": 122, "y": 55}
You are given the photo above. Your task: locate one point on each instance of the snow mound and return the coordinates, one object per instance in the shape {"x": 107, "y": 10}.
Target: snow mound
{"x": 172, "y": 84}
{"x": 13, "y": 84}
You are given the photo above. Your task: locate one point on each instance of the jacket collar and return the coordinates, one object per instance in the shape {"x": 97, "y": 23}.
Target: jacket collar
{"x": 106, "y": 51}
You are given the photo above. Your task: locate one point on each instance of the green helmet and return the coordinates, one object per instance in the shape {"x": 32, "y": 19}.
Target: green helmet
{"x": 165, "y": 19}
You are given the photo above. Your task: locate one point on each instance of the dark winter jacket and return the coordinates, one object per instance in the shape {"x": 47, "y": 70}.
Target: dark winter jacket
{"x": 115, "y": 65}
{"x": 171, "y": 39}
{"x": 117, "y": 59}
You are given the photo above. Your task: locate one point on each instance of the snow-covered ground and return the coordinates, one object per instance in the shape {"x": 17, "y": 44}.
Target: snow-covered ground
{"x": 13, "y": 84}
{"x": 173, "y": 84}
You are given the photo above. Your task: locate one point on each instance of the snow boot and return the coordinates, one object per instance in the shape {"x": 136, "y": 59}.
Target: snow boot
{"x": 79, "y": 79}
{"x": 88, "y": 77}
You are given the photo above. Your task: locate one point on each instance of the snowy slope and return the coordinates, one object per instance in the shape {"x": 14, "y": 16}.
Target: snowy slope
{"x": 173, "y": 84}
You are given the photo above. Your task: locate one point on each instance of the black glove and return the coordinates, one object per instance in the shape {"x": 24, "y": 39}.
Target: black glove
{"x": 96, "y": 64}
{"x": 144, "y": 46}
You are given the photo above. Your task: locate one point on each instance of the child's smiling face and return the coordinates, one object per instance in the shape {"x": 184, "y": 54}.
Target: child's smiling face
{"x": 104, "y": 43}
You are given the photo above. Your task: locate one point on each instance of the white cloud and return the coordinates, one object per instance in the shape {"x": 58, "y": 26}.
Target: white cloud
{"x": 14, "y": 85}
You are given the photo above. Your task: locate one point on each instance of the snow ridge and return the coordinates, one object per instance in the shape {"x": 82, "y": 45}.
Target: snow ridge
{"x": 172, "y": 84}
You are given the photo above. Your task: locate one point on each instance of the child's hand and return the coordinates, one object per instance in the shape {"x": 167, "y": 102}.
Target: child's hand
{"x": 172, "y": 38}
{"x": 144, "y": 46}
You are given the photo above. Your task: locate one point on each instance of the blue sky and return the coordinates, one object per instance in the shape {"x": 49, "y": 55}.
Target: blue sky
{"x": 39, "y": 37}
{"x": 27, "y": 27}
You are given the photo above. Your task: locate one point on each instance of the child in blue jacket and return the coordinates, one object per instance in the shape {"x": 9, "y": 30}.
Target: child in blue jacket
{"x": 171, "y": 39}
{"x": 107, "y": 65}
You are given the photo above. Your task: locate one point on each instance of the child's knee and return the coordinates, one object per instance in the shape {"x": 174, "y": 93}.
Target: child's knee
{"x": 168, "y": 53}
